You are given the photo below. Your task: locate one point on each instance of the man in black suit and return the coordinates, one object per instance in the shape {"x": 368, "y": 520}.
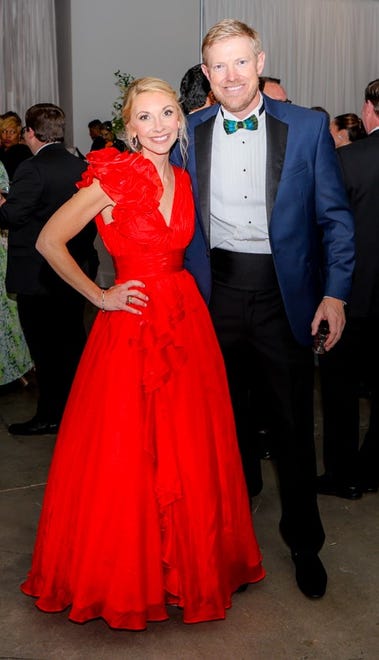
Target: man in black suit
{"x": 348, "y": 470}
{"x": 50, "y": 311}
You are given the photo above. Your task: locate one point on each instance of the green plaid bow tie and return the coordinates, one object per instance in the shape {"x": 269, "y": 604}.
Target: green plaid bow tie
{"x": 231, "y": 126}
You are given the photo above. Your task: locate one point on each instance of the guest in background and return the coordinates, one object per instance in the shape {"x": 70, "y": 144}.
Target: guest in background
{"x": 346, "y": 129}
{"x": 195, "y": 90}
{"x": 4, "y": 180}
{"x": 349, "y": 471}
{"x": 94, "y": 128}
{"x": 12, "y": 150}
{"x": 110, "y": 138}
{"x": 51, "y": 313}
{"x": 15, "y": 360}
{"x": 273, "y": 88}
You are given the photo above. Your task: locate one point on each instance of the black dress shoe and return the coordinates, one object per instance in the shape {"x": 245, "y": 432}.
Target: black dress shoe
{"x": 311, "y": 576}
{"x": 242, "y": 588}
{"x": 327, "y": 486}
{"x": 33, "y": 426}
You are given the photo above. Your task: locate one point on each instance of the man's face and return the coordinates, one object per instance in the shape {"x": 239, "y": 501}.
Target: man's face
{"x": 275, "y": 91}
{"x": 94, "y": 131}
{"x": 232, "y": 70}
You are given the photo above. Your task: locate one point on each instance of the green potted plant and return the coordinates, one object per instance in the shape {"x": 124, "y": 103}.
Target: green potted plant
{"x": 123, "y": 81}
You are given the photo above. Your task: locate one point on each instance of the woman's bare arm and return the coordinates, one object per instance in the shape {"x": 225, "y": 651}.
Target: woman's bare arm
{"x": 66, "y": 223}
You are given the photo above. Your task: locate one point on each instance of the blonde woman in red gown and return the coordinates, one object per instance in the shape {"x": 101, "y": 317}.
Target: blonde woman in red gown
{"x": 146, "y": 504}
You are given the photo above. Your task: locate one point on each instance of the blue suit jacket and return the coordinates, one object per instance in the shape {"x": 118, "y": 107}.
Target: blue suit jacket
{"x": 309, "y": 220}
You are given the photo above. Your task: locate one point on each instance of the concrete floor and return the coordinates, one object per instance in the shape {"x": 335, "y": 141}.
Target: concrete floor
{"x": 271, "y": 620}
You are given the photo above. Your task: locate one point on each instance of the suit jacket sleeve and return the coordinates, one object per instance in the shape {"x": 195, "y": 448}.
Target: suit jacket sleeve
{"x": 25, "y": 191}
{"x": 334, "y": 219}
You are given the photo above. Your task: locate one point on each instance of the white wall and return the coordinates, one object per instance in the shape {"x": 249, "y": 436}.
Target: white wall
{"x": 142, "y": 37}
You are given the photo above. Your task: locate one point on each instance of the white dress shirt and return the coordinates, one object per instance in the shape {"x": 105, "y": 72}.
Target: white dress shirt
{"x": 238, "y": 187}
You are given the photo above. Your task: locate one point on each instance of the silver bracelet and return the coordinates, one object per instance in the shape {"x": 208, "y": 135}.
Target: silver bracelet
{"x": 102, "y": 300}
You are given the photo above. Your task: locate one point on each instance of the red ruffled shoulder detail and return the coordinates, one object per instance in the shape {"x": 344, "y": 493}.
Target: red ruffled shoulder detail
{"x": 128, "y": 178}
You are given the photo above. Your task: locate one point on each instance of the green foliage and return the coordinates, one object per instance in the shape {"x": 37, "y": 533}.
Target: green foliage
{"x": 123, "y": 81}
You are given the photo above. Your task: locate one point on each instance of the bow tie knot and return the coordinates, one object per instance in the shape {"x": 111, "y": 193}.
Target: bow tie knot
{"x": 231, "y": 126}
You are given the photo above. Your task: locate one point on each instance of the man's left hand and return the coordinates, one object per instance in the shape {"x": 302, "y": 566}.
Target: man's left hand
{"x": 332, "y": 311}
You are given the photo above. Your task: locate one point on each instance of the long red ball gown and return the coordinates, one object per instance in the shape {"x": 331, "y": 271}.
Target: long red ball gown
{"x": 146, "y": 503}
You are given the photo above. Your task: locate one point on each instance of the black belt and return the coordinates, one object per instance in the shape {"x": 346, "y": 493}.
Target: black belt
{"x": 241, "y": 270}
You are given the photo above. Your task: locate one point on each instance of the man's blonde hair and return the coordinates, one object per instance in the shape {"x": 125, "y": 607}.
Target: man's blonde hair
{"x": 230, "y": 27}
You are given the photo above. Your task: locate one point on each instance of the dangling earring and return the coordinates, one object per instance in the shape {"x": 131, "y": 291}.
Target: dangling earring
{"x": 134, "y": 141}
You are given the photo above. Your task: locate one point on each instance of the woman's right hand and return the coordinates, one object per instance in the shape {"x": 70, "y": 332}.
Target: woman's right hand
{"x": 124, "y": 297}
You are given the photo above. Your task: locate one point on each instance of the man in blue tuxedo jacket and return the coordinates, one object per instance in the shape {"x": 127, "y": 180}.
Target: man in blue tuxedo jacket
{"x": 273, "y": 252}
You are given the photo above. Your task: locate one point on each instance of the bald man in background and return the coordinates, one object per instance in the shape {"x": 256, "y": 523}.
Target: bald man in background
{"x": 273, "y": 88}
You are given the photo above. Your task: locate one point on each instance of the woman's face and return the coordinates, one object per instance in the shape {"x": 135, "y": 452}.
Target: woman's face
{"x": 107, "y": 135}
{"x": 10, "y": 135}
{"x": 155, "y": 120}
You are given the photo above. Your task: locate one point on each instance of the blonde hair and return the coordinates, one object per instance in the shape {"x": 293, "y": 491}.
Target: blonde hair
{"x": 230, "y": 27}
{"x": 149, "y": 84}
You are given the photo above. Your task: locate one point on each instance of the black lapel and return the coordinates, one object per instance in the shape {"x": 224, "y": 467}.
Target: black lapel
{"x": 276, "y": 137}
{"x": 203, "y": 151}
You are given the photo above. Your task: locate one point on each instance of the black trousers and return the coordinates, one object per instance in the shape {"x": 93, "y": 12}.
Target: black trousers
{"x": 54, "y": 331}
{"x": 251, "y": 326}
{"x": 355, "y": 359}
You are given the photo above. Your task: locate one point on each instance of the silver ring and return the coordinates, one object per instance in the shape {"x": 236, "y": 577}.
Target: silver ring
{"x": 128, "y": 300}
